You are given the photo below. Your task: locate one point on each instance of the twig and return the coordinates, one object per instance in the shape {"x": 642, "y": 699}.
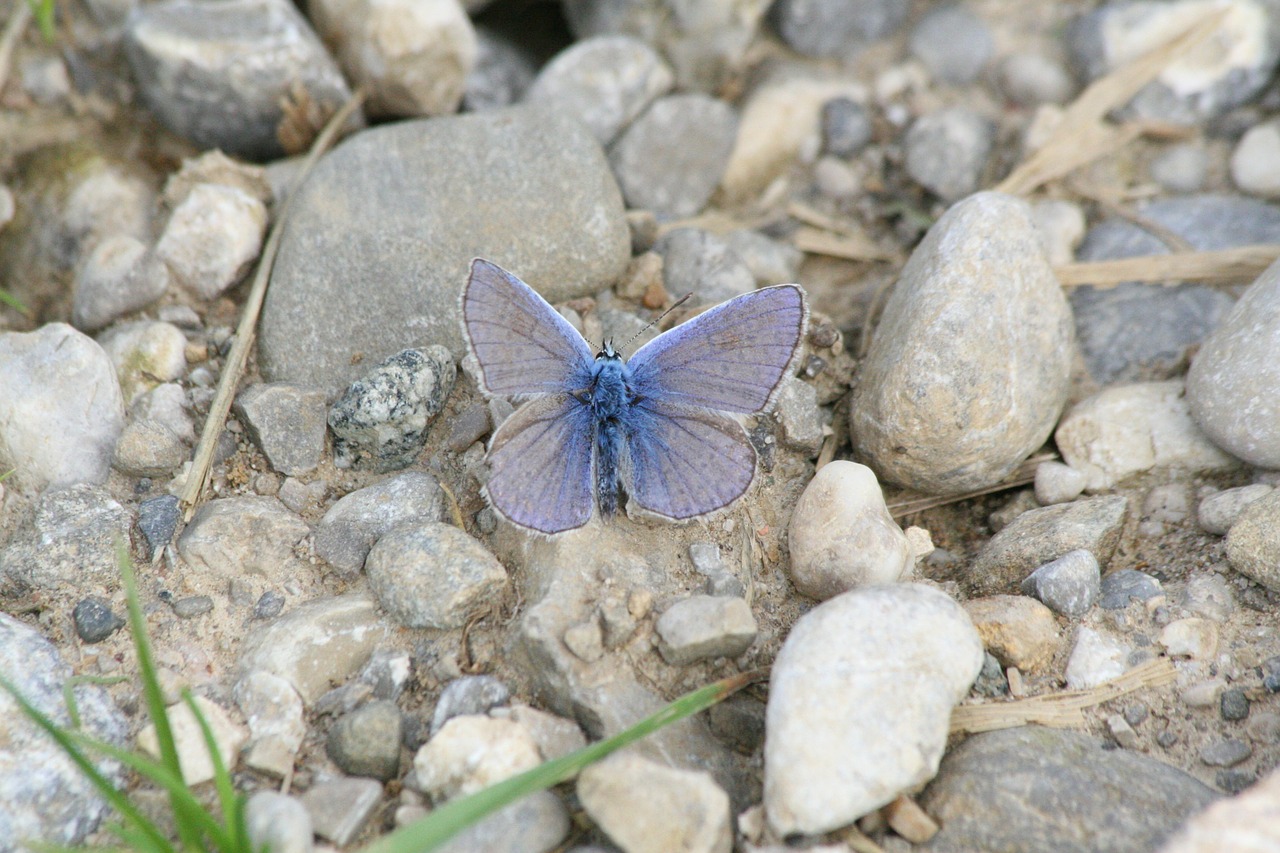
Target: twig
{"x": 1223, "y": 266}
{"x": 1025, "y": 474}
{"x": 198, "y": 476}
{"x": 13, "y": 31}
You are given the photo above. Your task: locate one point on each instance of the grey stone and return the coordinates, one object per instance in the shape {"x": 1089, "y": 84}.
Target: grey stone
{"x": 836, "y": 27}
{"x": 95, "y": 620}
{"x": 705, "y": 627}
{"x": 268, "y": 605}
{"x": 770, "y": 261}
{"x": 278, "y": 822}
{"x": 1253, "y": 543}
{"x": 366, "y": 742}
{"x": 286, "y": 421}
{"x": 217, "y": 72}
{"x": 70, "y": 539}
{"x": 1068, "y": 585}
{"x": 1225, "y": 753}
{"x": 157, "y": 519}
{"x": 698, "y": 262}
{"x": 192, "y": 606}
{"x": 1253, "y": 163}
{"x": 398, "y": 182}
{"x": 1208, "y": 595}
{"x": 244, "y": 535}
{"x": 340, "y": 808}
{"x": 671, "y": 158}
{"x": 947, "y": 150}
{"x": 501, "y": 74}
{"x": 846, "y": 127}
{"x": 739, "y": 722}
{"x": 386, "y": 673}
{"x": 1234, "y": 705}
{"x": 470, "y": 694}
{"x": 147, "y": 448}
{"x": 1181, "y": 168}
{"x": 1120, "y": 588}
{"x": 120, "y": 275}
{"x": 382, "y": 419}
{"x": 1058, "y": 483}
{"x": 953, "y": 43}
{"x": 1220, "y": 510}
{"x": 1026, "y": 789}
{"x": 1029, "y": 78}
{"x": 538, "y": 823}
{"x": 923, "y": 413}
{"x": 351, "y": 526}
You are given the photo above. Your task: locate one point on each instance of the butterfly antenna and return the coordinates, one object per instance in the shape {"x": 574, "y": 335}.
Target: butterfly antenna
{"x": 656, "y": 320}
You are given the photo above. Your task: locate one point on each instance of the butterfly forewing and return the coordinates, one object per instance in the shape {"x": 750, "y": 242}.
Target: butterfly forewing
{"x": 730, "y": 358}
{"x": 522, "y": 345}
{"x": 684, "y": 461}
{"x": 540, "y": 465}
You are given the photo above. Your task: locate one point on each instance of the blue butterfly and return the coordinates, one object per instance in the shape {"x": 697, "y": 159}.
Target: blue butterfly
{"x": 595, "y": 427}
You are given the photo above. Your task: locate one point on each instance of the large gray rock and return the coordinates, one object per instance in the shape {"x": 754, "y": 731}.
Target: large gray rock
{"x": 969, "y": 368}
{"x": 379, "y": 240}
{"x": 70, "y": 539}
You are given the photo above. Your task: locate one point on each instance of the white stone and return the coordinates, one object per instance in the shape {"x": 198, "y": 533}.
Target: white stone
{"x": 1060, "y": 225}
{"x": 1220, "y": 510}
{"x": 1058, "y": 483}
{"x": 119, "y": 275}
{"x": 278, "y": 822}
{"x": 842, "y": 535}
{"x": 1192, "y": 637}
{"x": 193, "y": 755}
{"x": 274, "y": 712}
{"x": 1255, "y": 164}
{"x": 705, "y": 627}
{"x": 472, "y": 752}
{"x": 1246, "y": 823}
{"x": 1096, "y": 658}
{"x": 212, "y": 237}
{"x": 145, "y": 354}
{"x": 244, "y": 535}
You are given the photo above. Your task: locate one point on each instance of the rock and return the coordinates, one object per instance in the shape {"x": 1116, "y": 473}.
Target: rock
{"x": 1029, "y": 79}
{"x": 842, "y": 535}
{"x": 412, "y": 56}
{"x": 1244, "y": 822}
{"x": 556, "y": 736}
{"x": 469, "y": 205}
{"x": 287, "y": 423}
{"x": 644, "y": 807}
{"x": 835, "y": 27}
{"x": 1004, "y": 790}
{"x": 501, "y": 73}
{"x": 188, "y": 738}
{"x": 382, "y": 418}
{"x": 244, "y": 535}
{"x": 315, "y": 644}
{"x": 120, "y": 275}
{"x": 192, "y": 606}
{"x": 934, "y": 428}
{"x": 705, "y": 627}
{"x": 1225, "y": 753}
{"x": 1234, "y": 705}
{"x": 698, "y": 262}
{"x": 70, "y": 539}
{"x": 166, "y": 405}
{"x": 351, "y": 526}
{"x": 1192, "y": 637}
{"x": 340, "y": 808}
{"x": 846, "y": 127}
{"x": 1253, "y": 543}
{"x": 278, "y": 822}
{"x": 212, "y": 238}
{"x": 1181, "y": 168}
{"x": 1060, "y": 225}
{"x": 43, "y": 794}
{"x": 471, "y": 753}
{"x": 836, "y": 179}
{"x": 1057, "y": 483}
{"x": 433, "y": 575}
{"x": 953, "y": 43}
{"x": 1220, "y": 510}
{"x": 149, "y": 449}
{"x": 217, "y": 73}
{"x": 1120, "y": 588}
{"x": 95, "y": 620}
{"x": 61, "y": 410}
{"x": 670, "y": 159}
{"x": 470, "y": 694}
{"x": 1129, "y": 429}
{"x": 605, "y": 82}
{"x": 274, "y": 712}
{"x": 145, "y": 355}
{"x": 800, "y": 420}
{"x": 902, "y": 646}
{"x": 947, "y": 150}
{"x": 1233, "y": 380}
{"x": 1096, "y": 659}
{"x": 1126, "y": 737}
{"x": 538, "y": 823}
{"x": 1253, "y": 163}
{"x": 1017, "y": 630}
{"x": 366, "y": 742}
{"x": 1204, "y": 694}
{"x": 770, "y": 261}
{"x": 158, "y": 519}
{"x": 1068, "y": 585}
{"x": 1208, "y": 595}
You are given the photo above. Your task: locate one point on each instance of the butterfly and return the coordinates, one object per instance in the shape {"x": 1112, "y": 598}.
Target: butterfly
{"x": 595, "y": 427}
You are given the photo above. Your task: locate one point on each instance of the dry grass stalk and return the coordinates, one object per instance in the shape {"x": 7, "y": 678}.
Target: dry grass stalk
{"x": 850, "y": 247}
{"x": 233, "y": 370}
{"x": 1023, "y": 475}
{"x": 1082, "y": 136}
{"x": 906, "y": 818}
{"x": 1059, "y": 710}
{"x": 1223, "y": 266}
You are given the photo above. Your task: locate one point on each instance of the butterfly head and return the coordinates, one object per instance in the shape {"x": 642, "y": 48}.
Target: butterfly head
{"x": 608, "y": 353}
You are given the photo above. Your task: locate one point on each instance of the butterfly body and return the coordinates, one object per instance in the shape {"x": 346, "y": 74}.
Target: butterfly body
{"x": 656, "y": 428}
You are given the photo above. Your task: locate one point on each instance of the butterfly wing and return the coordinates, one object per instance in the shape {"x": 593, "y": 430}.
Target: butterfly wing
{"x": 730, "y": 358}
{"x": 684, "y": 461}
{"x": 522, "y": 344}
{"x": 540, "y": 465}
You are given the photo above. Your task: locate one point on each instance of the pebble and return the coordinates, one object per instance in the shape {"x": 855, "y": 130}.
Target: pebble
{"x": 947, "y": 149}
{"x": 1254, "y": 161}
{"x": 556, "y": 736}
{"x": 853, "y": 653}
{"x": 1192, "y": 637}
{"x": 645, "y": 807}
{"x": 1219, "y": 511}
{"x": 739, "y": 722}
{"x": 1042, "y": 535}
{"x": 244, "y": 535}
{"x": 705, "y": 627}
{"x": 1029, "y": 79}
{"x": 316, "y": 644}
{"x": 1204, "y": 694}
{"x": 381, "y": 420}
{"x": 538, "y": 823}
{"x": 670, "y": 159}
{"x": 273, "y": 710}
{"x": 605, "y": 82}
{"x": 1263, "y": 727}
{"x": 1233, "y": 386}
{"x": 1181, "y": 168}
{"x": 145, "y": 355}
{"x": 119, "y": 276}
{"x": 991, "y": 680}
{"x": 433, "y": 575}
{"x": 348, "y": 530}
{"x": 1225, "y": 753}
{"x": 70, "y": 539}
{"x": 411, "y": 56}
{"x": 192, "y": 606}
{"x": 698, "y": 262}
{"x": 409, "y": 289}
{"x": 158, "y": 519}
{"x": 287, "y": 422}
{"x": 1061, "y": 226}
{"x": 998, "y": 790}
{"x": 471, "y": 753}
{"x": 945, "y": 437}
{"x": 61, "y": 411}
{"x": 1017, "y": 630}
{"x": 846, "y": 127}
{"x": 501, "y": 73}
{"x": 1240, "y": 822}
{"x": 189, "y": 740}
{"x": 1128, "y": 429}
{"x": 470, "y": 694}
{"x": 1167, "y": 505}
{"x": 1095, "y": 659}
{"x": 1068, "y": 585}
{"x": 1058, "y": 483}
{"x": 842, "y": 535}
{"x": 366, "y": 742}
{"x": 278, "y": 822}
{"x": 770, "y": 261}
{"x": 1253, "y": 543}
{"x": 1234, "y": 705}
{"x": 218, "y": 74}
{"x": 837, "y": 179}
{"x": 1125, "y": 736}
{"x": 95, "y": 620}
{"x": 147, "y": 448}
{"x": 212, "y": 238}
{"x": 1124, "y": 586}
{"x": 341, "y": 808}
{"x": 268, "y": 605}
{"x": 832, "y": 28}
{"x": 1208, "y": 595}
{"x": 953, "y": 43}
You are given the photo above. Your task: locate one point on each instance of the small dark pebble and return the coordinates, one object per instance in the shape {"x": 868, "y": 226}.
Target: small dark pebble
{"x": 94, "y": 620}
{"x": 1225, "y": 753}
{"x": 991, "y": 680}
{"x": 824, "y": 335}
{"x": 1166, "y": 739}
{"x": 1234, "y": 781}
{"x": 813, "y": 365}
{"x": 1234, "y": 704}
{"x": 269, "y": 605}
{"x": 192, "y": 606}
{"x": 1119, "y": 588}
{"x": 157, "y": 519}
{"x": 1135, "y": 714}
{"x": 166, "y": 596}
{"x": 142, "y": 486}
{"x": 471, "y": 425}
{"x": 1271, "y": 674}
{"x": 846, "y": 127}
{"x": 469, "y": 694}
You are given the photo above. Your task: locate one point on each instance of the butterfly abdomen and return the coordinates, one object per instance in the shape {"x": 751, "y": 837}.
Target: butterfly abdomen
{"x": 609, "y": 405}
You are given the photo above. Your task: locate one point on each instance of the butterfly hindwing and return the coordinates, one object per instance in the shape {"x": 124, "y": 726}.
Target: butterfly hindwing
{"x": 730, "y": 358}
{"x": 522, "y": 345}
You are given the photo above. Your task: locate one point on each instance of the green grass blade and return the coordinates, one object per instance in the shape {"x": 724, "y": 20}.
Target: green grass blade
{"x": 445, "y": 822}
{"x": 233, "y": 833}
{"x": 13, "y": 302}
{"x": 43, "y": 12}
